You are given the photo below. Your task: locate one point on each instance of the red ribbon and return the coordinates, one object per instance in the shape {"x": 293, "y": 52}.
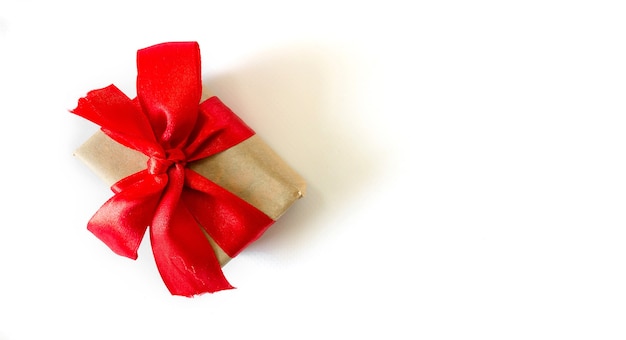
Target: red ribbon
{"x": 167, "y": 123}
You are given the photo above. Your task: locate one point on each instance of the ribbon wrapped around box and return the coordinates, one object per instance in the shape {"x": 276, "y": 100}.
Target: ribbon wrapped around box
{"x": 186, "y": 169}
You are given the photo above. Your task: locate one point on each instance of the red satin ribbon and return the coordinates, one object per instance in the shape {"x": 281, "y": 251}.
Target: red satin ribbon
{"x": 168, "y": 123}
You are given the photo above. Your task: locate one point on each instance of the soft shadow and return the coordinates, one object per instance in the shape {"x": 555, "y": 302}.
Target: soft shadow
{"x": 295, "y": 100}
{"x": 4, "y": 27}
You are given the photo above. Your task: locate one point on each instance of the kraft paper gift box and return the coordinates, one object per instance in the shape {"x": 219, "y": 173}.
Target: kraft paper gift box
{"x": 250, "y": 169}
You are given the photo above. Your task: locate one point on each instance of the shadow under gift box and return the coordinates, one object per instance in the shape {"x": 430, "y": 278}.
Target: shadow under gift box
{"x": 251, "y": 170}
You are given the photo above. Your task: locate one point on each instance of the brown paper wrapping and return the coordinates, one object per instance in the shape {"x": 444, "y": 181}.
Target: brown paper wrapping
{"x": 251, "y": 170}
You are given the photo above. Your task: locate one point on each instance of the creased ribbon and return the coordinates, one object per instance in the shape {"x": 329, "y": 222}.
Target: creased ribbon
{"x": 167, "y": 123}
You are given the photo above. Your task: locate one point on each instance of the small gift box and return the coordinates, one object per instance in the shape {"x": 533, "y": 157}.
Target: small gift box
{"x": 187, "y": 169}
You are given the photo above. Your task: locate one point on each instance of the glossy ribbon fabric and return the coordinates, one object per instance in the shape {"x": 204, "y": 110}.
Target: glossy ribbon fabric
{"x": 167, "y": 123}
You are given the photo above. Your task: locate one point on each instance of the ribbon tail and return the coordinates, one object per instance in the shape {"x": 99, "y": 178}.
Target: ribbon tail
{"x": 183, "y": 254}
{"x": 185, "y": 258}
{"x": 232, "y": 222}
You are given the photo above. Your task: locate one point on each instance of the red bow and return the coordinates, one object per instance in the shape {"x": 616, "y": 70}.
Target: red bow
{"x": 167, "y": 123}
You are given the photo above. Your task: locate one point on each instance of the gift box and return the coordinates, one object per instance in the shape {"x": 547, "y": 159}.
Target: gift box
{"x": 183, "y": 166}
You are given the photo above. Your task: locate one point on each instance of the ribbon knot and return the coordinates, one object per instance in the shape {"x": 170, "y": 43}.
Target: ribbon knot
{"x": 159, "y": 165}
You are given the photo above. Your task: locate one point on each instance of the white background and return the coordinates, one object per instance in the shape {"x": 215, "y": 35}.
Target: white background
{"x": 465, "y": 164}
